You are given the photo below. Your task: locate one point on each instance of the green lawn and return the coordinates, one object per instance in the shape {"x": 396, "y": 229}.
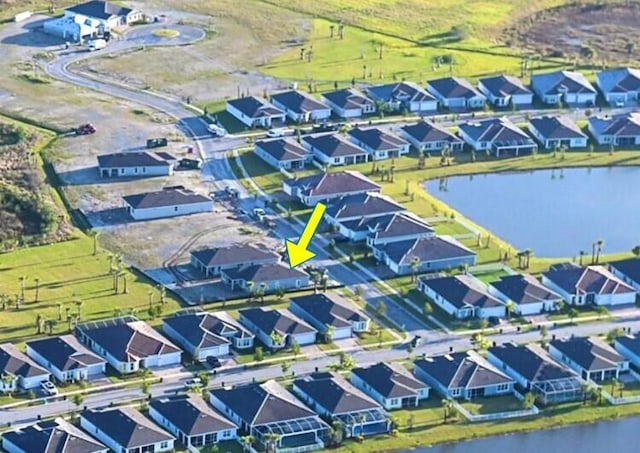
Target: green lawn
{"x": 493, "y": 404}
{"x": 490, "y": 276}
{"x": 631, "y": 388}
{"x": 367, "y": 339}
{"x": 450, "y": 228}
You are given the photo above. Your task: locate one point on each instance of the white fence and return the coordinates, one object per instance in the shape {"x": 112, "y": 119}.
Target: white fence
{"x": 22, "y": 16}
{"x": 619, "y": 400}
{"x": 498, "y": 415}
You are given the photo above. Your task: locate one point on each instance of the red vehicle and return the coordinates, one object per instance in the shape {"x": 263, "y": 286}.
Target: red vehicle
{"x": 85, "y": 129}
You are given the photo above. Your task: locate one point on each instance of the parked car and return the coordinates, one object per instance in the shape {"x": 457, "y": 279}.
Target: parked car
{"x": 214, "y": 362}
{"x": 494, "y": 320}
{"x": 326, "y": 127}
{"x": 216, "y": 130}
{"x": 190, "y": 163}
{"x": 85, "y": 129}
{"x": 415, "y": 341}
{"x": 193, "y": 383}
{"x": 280, "y": 132}
{"x": 258, "y": 214}
{"x": 48, "y": 388}
{"x": 157, "y": 142}
{"x": 97, "y": 44}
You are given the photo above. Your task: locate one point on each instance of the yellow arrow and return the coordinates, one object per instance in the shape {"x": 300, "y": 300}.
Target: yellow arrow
{"x": 299, "y": 253}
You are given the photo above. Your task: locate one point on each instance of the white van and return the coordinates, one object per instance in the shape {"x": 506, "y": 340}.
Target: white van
{"x": 280, "y": 132}
{"x": 97, "y": 44}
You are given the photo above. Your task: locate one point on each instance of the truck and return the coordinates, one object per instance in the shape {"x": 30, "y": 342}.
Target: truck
{"x": 97, "y": 44}
{"x": 157, "y": 142}
{"x": 194, "y": 164}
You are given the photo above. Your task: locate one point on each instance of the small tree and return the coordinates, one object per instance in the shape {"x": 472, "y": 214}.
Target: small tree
{"x": 285, "y": 368}
{"x": 204, "y": 378}
{"x": 78, "y": 399}
{"x": 381, "y": 309}
{"x": 258, "y": 354}
{"x": 529, "y": 400}
{"x": 573, "y": 313}
{"x": 295, "y": 348}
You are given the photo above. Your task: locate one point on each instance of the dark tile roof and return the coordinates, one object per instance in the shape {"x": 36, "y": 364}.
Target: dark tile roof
{"x": 397, "y": 225}
{"x": 591, "y": 279}
{"x": 191, "y": 415}
{"x": 57, "y": 436}
{"x": 362, "y": 205}
{"x": 389, "y": 379}
{"x": 255, "y": 107}
{"x": 462, "y": 291}
{"x": 461, "y": 369}
{"x": 168, "y": 196}
{"x": 201, "y": 330}
{"x": 264, "y": 273}
{"x": 333, "y": 145}
{"x": 327, "y": 310}
{"x": 557, "y": 127}
{"x": 631, "y": 342}
{"x": 619, "y": 80}
{"x": 504, "y": 85}
{"x": 128, "y": 427}
{"x": 349, "y": 98}
{"x": 426, "y": 249}
{"x": 99, "y": 9}
{"x": 335, "y": 394}
{"x": 377, "y": 139}
{"x": 560, "y": 82}
{"x": 454, "y": 87}
{"x": 623, "y": 125}
{"x": 233, "y": 255}
{"x": 283, "y": 149}
{"x": 524, "y": 289}
{"x": 629, "y": 267}
{"x": 495, "y": 130}
{"x": 530, "y": 364}
{"x": 403, "y": 91}
{"x": 15, "y": 363}
{"x": 427, "y": 131}
{"x": 281, "y": 321}
{"x": 65, "y": 352}
{"x": 298, "y": 102}
{"x": 330, "y": 184}
{"x": 590, "y": 354}
{"x": 137, "y": 159}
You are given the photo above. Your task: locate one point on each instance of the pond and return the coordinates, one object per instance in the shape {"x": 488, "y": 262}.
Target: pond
{"x": 556, "y": 213}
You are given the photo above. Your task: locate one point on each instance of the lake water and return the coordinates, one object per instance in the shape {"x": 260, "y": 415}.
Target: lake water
{"x": 556, "y": 213}
{"x": 602, "y": 437}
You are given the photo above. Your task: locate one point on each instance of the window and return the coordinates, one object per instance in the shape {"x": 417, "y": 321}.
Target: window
{"x": 164, "y": 444}
{"x": 175, "y": 208}
{"x": 502, "y": 387}
{"x": 455, "y": 392}
{"x": 135, "y": 170}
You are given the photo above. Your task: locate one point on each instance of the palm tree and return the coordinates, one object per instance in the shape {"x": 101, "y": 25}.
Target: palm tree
{"x": 599, "y": 245}
{"x": 337, "y": 433}
{"x": 529, "y": 400}
{"x": 246, "y": 442}
{"x": 447, "y": 405}
{"x": 328, "y": 333}
{"x": 415, "y": 267}
{"x": 263, "y": 289}
{"x": 37, "y": 289}
{"x": 582, "y": 254}
{"x": 78, "y": 399}
{"x": 23, "y": 279}
{"x": 285, "y": 368}
{"x": 59, "y": 311}
{"x": 544, "y": 333}
{"x": 325, "y": 281}
{"x": 50, "y": 325}
{"x": 295, "y": 348}
{"x": 39, "y": 323}
{"x": 509, "y": 308}
{"x": 250, "y": 286}
{"x": 276, "y": 339}
{"x": 94, "y": 234}
{"x": 7, "y": 382}
{"x": 636, "y": 250}
{"x": 79, "y": 304}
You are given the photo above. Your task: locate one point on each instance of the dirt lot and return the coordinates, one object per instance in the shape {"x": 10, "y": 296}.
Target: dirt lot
{"x": 606, "y": 33}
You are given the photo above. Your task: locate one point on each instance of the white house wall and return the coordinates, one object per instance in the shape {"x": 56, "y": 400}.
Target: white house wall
{"x": 171, "y": 211}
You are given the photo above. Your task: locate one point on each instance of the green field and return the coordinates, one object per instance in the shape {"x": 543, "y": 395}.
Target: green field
{"x": 493, "y": 404}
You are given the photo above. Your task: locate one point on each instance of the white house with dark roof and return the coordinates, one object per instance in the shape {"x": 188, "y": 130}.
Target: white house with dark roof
{"x": 334, "y": 149}
{"x": 505, "y": 90}
{"x": 55, "y": 436}
{"x": 427, "y": 136}
{"x": 526, "y": 293}
{"x": 25, "y": 374}
{"x": 265, "y": 277}
{"x": 192, "y": 421}
{"x": 462, "y": 296}
{"x": 620, "y": 85}
{"x": 589, "y": 285}
{"x": 322, "y": 311}
{"x": 390, "y": 384}
{"x": 356, "y": 208}
{"x": 497, "y": 135}
{"x": 66, "y": 358}
{"x": 569, "y": 87}
{"x": 629, "y": 347}
{"x": 378, "y": 143}
{"x": 456, "y": 93}
{"x": 263, "y": 323}
{"x": 283, "y": 153}
{"x": 349, "y": 103}
{"x": 300, "y": 107}
{"x": 137, "y": 164}
{"x": 628, "y": 271}
{"x": 463, "y": 375}
{"x": 556, "y": 131}
{"x": 211, "y": 261}
{"x": 168, "y": 202}
{"x": 255, "y": 112}
{"x": 591, "y": 358}
{"x": 399, "y": 227}
{"x": 401, "y": 96}
{"x": 328, "y": 186}
{"x": 126, "y": 430}
{"x": 617, "y": 130}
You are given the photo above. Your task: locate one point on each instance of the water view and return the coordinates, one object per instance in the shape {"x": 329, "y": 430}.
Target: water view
{"x": 556, "y": 213}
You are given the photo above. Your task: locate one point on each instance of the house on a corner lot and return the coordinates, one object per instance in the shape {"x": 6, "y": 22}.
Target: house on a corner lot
{"x": 283, "y": 153}
{"x": 629, "y": 347}
{"x": 349, "y": 103}
{"x": 497, "y": 135}
{"x": 334, "y": 398}
{"x": 66, "y": 358}
{"x": 211, "y": 261}
{"x": 589, "y": 285}
{"x": 505, "y": 90}
{"x": 324, "y": 312}
{"x": 463, "y": 375}
{"x": 138, "y": 164}
{"x": 456, "y": 93}
{"x": 378, "y": 143}
{"x": 287, "y": 327}
{"x": 300, "y": 107}
{"x": 619, "y": 86}
{"x": 591, "y": 358}
{"x": 628, "y": 271}
{"x": 390, "y": 384}
{"x": 57, "y": 436}
{"x": 168, "y": 202}
{"x": 556, "y": 131}
{"x": 255, "y": 112}
{"x": 428, "y": 136}
{"x": 334, "y": 149}
{"x": 617, "y": 130}
{"x": 571, "y": 88}
{"x": 21, "y": 372}
{"x": 192, "y": 420}
{"x": 526, "y": 293}
{"x": 126, "y": 430}
{"x": 266, "y": 278}
{"x": 409, "y": 96}
{"x": 327, "y": 186}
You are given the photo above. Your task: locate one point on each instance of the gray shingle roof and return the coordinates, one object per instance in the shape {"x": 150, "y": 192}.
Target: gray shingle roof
{"x": 349, "y": 98}
{"x": 504, "y": 85}
{"x": 589, "y": 353}
{"x": 390, "y": 380}
{"x": 201, "y": 330}
{"x": 427, "y": 131}
{"x": 169, "y": 196}
{"x": 327, "y": 310}
{"x": 531, "y": 365}
{"x": 631, "y": 342}
{"x": 283, "y": 149}
{"x": 263, "y": 273}
{"x": 191, "y": 415}
{"x": 137, "y": 159}
{"x": 524, "y": 289}
{"x": 557, "y": 127}
{"x": 629, "y": 267}
{"x": 454, "y": 87}
{"x": 56, "y": 436}
{"x": 15, "y": 363}
{"x": 426, "y": 249}
{"x": 233, "y": 255}
{"x": 330, "y": 184}
{"x": 298, "y": 102}
{"x": 495, "y": 130}
{"x": 377, "y": 139}
{"x": 397, "y": 225}
{"x": 280, "y": 321}
{"x": 560, "y": 82}
{"x": 619, "y": 80}
{"x": 462, "y": 291}
{"x": 65, "y": 352}
{"x": 400, "y": 92}
{"x": 333, "y": 145}
{"x": 335, "y": 394}
{"x": 592, "y": 279}
{"x": 623, "y": 125}
{"x": 255, "y": 107}
{"x": 99, "y": 9}
{"x": 362, "y": 205}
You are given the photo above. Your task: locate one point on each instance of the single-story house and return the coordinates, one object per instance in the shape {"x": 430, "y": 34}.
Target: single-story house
{"x": 505, "y": 90}
{"x": 390, "y": 384}
{"x": 300, "y": 107}
{"x": 591, "y": 358}
{"x": 334, "y": 149}
{"x": 589, "y": 285}
{"x": 268, "y": 408}
{"x": 255, "y": 112}
{"x": 74, "y": 28}
{"x": 138, "y": 164}
{"x": 378, "y": 143}
{"x": 462, "y": 296}
{"x": 617, "y": 130}
{"x": 287, "y": 327}
{"x": 327, "y": 186}
{"x": 349, "y": 103}
{"x": 192, "y": 420}
{"x": 428, "y": 136}
{"x": 334, "y": 398}
{"x": 57, "y": 436}
{"x": 526, "y": 293}
{"x": 266, "y": 278}
{"x": 424, "y": 255}
{"x": 125, "y": 430}
{"x": 569, "y": 87}
{"x": 456, "y": 93}
{"x": 361, "y": 206}
{"x": 283, "y": 153}
{"x": 400, "y": 227}
{"x": 619, "y": 85}
{"x": 556, "y": 131}
{"x": 329, "y": 312}
{"x": 628, "y": 271}
{"x": 211, "y": 261}
{"x": 168, "y": 202}
{"x": 497, "y": 135}
{"x": 401, "y": 96}
{"x": 463, "y": 375}
{"x": 629, "y": 347}
{"x": 25, "y": 374}
{"x": 128, "y": 345}
{"x": 536, "y": 372}
{"x": 66, "y": 358}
